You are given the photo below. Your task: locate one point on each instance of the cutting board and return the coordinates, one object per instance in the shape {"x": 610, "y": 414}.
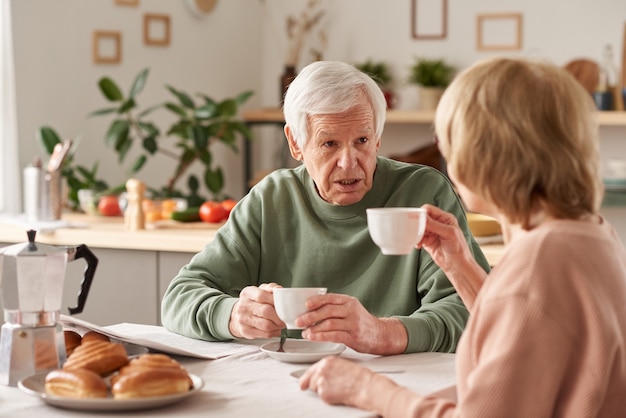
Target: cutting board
{"x": 586, "y": 71}
{"x": 171, "y": 224}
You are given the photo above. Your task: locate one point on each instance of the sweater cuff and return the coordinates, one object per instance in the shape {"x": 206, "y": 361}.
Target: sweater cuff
{"x": 220, "y": 319}
{"x": 419, "y": 332}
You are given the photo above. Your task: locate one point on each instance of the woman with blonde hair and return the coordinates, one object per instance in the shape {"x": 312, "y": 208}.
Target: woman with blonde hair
{"x": 547, "y": 329}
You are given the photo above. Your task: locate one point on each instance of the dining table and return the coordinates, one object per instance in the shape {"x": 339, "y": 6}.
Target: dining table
{"x": 252, "y": 383}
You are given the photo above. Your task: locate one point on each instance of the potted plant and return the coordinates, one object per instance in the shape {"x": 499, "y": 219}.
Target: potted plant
{"x": 197, "y": 127}
{"x": 432, "y": 76}
{"x": 77, "y": 177}
{"x": 379, "y": 71}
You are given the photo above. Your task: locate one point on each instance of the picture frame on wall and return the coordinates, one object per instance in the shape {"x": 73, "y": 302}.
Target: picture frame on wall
{"x": 499, "y": 32}
{"x": 156, "y": 29}
{"x": 429, "y": 19}
{"x": 132, "y": 3}
{"x": 107, "y": 47}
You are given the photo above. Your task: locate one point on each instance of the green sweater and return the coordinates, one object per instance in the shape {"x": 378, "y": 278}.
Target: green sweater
{"x": 283, "y": 232}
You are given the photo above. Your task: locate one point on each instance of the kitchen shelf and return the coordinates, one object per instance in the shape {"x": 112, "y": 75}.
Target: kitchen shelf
{"x": 275, "y": 115}
{"x": 612, "y": 118}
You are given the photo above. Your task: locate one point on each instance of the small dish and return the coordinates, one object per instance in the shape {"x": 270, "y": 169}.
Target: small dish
{"x": 35, "y": 385}
{"x": 302, "y": 351}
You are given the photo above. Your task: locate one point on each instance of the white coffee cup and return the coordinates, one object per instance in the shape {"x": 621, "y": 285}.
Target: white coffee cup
{"x": 396, "y": 230}
{"x": 289, "y": 302}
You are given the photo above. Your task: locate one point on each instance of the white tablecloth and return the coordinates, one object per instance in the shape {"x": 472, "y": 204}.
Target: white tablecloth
{"x": 255, "y": 385}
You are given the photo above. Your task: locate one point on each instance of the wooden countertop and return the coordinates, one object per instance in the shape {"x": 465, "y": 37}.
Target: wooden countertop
{"x": 109, "y": 232}
{"x": 168, "y": 236}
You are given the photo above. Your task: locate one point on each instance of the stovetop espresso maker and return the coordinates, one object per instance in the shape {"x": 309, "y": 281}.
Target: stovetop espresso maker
{"x": 31, "y": 282}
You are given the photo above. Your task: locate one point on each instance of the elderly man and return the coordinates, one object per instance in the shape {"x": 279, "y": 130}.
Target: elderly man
{"x": 307, "y": 226}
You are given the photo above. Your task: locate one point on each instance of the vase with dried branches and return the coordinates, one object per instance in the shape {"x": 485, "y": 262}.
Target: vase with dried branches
{"x": 298, "y": 28}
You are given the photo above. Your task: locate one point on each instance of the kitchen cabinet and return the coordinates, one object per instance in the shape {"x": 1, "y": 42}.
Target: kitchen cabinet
{"x": 169, "y": 264}
{"x": 128, "y": 285}
{"x": 134, "y": 267}
{"x": 124, "y": 288}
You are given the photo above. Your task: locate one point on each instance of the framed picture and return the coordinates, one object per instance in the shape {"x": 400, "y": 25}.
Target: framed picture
{"x": 429, "y": 19}
{"x": 156, "y": 29}
{"x": 127, "y": 2}
{"x": 499, "y": 32}
{"x": 107, "y": 47}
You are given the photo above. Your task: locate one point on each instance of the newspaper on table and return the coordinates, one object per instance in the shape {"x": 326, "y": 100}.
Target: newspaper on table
{"x": 159, "y": 339}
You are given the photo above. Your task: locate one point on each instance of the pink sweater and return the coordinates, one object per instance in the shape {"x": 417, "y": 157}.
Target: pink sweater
{"x": 547, "y": 335}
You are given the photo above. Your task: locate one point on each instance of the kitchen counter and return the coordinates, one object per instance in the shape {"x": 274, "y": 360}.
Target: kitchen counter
{"x": 109, "y": 232}
{"x": 133, "y": 265}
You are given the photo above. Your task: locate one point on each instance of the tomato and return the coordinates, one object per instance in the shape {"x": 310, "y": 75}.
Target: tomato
{"x": 109, "y": 206}
{"x": 212, "y": 211}
{"x": 228, "y": 204}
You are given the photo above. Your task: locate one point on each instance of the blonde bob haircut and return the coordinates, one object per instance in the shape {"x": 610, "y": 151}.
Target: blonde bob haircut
{"x": 523, "y": 135}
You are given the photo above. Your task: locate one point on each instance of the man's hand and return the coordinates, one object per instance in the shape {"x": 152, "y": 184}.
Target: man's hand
{"x": 342, "y": 319}
{"x": 253, "y": 315}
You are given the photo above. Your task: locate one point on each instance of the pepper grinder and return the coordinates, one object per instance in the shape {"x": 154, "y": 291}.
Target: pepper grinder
{"x": 134, "y": 218}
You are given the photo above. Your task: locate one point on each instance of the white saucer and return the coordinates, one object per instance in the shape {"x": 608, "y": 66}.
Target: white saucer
{"x": 302, "y": 351}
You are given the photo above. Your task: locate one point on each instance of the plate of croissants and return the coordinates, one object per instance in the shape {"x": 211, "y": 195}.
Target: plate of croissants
{"x": 99, "y": 375}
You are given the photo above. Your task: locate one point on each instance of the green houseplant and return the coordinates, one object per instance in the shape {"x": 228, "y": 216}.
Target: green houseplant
{"x": 432, "y": 76}
{"x": 76, "y": 176}
{"x": 431, "y": 72}
{"x": 379, "y": 71}
{"x": 198, "y": 125}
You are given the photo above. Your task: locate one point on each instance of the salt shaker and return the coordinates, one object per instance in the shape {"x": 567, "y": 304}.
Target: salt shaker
{"x": 133, "y": 216}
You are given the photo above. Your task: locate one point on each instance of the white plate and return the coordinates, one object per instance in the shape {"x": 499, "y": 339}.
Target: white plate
{"x": 35, "y": 385}
{"x": 302, "y": 351}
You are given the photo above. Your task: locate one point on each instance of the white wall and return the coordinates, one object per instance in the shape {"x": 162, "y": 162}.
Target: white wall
{"x": 559, "y": 30}
{"x": 242, "y": 45}
{"x": 57, "y": 80}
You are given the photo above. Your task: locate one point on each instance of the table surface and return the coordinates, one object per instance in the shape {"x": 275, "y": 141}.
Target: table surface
{"x": 253, "y": 384}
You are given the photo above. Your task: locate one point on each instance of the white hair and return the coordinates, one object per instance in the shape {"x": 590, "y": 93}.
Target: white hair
{"x": 328, "y": 87}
